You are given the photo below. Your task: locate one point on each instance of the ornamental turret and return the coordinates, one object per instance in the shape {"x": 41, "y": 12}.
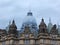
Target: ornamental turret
{"x": 49, "y": 25}
{"x": 42, "y": 27}
{"x": 13, "y": 29}
{"x": 29, "y": 22}
{"x": 54, "y": 30}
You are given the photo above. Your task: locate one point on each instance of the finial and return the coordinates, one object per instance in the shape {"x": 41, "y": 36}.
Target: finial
{"x": 9, "y": 22}
{"x": 13, "y": 22}
{"x": 42, "y": 20}
{"x": 54, "y": 26}
{"x": 49, "y": 20}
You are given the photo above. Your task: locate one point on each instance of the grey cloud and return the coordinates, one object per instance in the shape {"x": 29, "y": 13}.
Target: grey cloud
{"x": 17, "y": 9}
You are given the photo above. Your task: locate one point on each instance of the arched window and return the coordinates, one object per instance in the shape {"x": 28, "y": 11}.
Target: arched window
{"x": 27, "y": 42}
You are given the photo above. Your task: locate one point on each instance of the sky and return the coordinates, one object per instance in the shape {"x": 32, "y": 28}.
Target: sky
{"x": 17, "y": 10}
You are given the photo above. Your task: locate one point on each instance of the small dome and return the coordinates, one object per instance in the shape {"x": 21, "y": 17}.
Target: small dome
{"x": 49, "y": 25}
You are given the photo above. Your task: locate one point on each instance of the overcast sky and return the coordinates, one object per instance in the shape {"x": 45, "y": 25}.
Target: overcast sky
{"x": 17, "y": 10}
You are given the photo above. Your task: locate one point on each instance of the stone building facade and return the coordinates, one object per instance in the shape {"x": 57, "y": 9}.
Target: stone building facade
{"x": 30, "y": 33}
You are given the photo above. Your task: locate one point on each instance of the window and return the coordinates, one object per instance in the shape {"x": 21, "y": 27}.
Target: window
{"x": 53, "y": 42}
{"x": 27, "y": 42}
{"x": 3, "y": 43}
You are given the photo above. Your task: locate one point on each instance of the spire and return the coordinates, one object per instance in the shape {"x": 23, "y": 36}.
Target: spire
{"x": 42, "y": 20}
{"x": 13, "y": 22}
{"x": 9, "y": 22}
{"x": 42, "y": 27}
{"x": 13, "y": 25}
{"x": 49, "y": 20}
{"x": 49, "y": 25}
{"x": 54, "y": 30}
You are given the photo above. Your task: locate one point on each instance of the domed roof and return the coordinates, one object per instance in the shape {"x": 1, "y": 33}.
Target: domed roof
{"x": 29, "y": 19}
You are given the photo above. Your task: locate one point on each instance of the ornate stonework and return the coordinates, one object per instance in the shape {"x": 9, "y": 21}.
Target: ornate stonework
{"x": 30, "y": 34}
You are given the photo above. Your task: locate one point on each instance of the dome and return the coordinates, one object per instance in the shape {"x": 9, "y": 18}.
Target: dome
{"x": 29, "y": 19}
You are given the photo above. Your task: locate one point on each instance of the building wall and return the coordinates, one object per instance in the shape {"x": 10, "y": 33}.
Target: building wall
{"x": 31, "y": 41}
